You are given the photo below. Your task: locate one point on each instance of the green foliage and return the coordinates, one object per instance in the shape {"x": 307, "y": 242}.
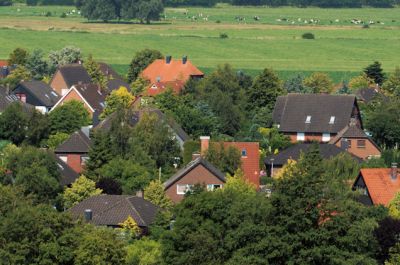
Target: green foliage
{"x": 226, "y": 159}
{"x": 375, "y": 72}
{"x": 294, "y": 84}
{"x": 190, "y": 147}
{"x": 69, "y": 117}
{"x": 374, "y": 163}
{"x": 308, "y": 36}
{"x": 239, "y": 184}
{"x": 155, "y": 193}
{"x": 37, "y": 65}
{"x": 271, "y": 140}
{"x": 319, "y": 83}
{"x": 66, "y": 55}
{"x": 343, "y": 166}
{"x": 149, "y": 10}
{"x": 19, "y": 74}
{"x": 144, "y": 252}
{"x": 392, "y": 84}
{"x": 38, "y": 128}
{"x": 359, "y": 82}
{"x": 18, "y": 56}
{"x": 118, "y": 99}
{"x": 13, "y": 123}
{"x": 93, "y": 69}
{"x": 139, "y": 86}
{"x": 130, "y": 228}
{"x": 223, "y": 36}
{"x": 81, "y": 189}
{"x": 56, "y": 139}
{"x": 140, "y": 61}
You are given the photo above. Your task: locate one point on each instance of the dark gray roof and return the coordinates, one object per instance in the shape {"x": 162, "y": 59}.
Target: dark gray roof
{"x": 112, "y": 210}
{"x": 293, "y": 152}
{"x": 74, "y": 74}
{"x": 114, "y": 84}
{"x": 366, "y": 94}
{"x": 93, "y": 95}
{"x": 352, "y": 131}
{"x": 6, "y": 100}
{"x": 192, "y": 165}
{"x": 41, "y": 91}
{"x": 78, "y": 142}
{"x": 135, "y": 117}
{"x": 108, "y": 71}
{"x": 291, "y": 112}
{"x": 68, "y": 175}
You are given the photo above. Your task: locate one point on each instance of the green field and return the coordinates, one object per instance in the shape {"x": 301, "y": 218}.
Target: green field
{"x": 341, "y": 48}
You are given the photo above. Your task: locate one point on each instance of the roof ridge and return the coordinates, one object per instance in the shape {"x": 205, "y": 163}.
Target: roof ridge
{"x": 134, "y": 209}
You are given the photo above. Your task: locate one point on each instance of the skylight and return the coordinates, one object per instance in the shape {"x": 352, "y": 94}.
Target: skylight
{"x": 308, "y": 119}
{"x": 332, "y": 120}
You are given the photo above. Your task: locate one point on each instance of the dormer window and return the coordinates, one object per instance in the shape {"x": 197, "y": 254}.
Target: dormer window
{"x": 332, "y": 120}
{"x": 308, "y": 119}
{"x": 244, "y": 153}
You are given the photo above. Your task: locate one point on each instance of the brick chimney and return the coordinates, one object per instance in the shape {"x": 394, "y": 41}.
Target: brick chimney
{"x": 204, "y": 143}
{"x": 393, "y": 171}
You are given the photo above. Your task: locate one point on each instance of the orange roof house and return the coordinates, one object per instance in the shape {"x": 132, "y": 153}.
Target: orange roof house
{"x": 250, "y": 157}
{"x": 379, "y": 185}
{"x": 164, "y": 72}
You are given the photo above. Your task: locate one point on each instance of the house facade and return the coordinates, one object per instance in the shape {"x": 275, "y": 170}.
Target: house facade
{"x": 315, "y": 117}
{"x": 198, "y": 171}
{"x": 68, "y": 75}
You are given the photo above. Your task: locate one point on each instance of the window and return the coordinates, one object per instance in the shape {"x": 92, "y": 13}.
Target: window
{"x": 211, "y": 187}
{"x": 326, "y": 137}
{"x": 182, "y": 189}
{"x": 349, "y": 143}
{"x": 308, "y": 119}
{"x": 244, "y": 153}
{"x": 300, "y": 136}
{"x": 64, "y": 158}
{"x": 332, "y": 120}
{"x": 360, "y": 143}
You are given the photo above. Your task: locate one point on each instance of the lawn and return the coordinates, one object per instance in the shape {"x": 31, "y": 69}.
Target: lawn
{"x": 341, "y": 48}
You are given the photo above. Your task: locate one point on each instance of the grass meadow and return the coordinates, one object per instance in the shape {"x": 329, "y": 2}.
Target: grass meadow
{"x": 340, "y": 48}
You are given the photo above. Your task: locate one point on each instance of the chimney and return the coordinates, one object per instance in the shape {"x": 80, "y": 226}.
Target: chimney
{"x": 205, "y": 141}
{"x": 88, "y": 214}
{"x": 184, "y": 59}
{"x": 168, "y": 59}
{"x": 140, "y": 194}
{"x": 195, "y": 156}
{"x": 393, "y": 171}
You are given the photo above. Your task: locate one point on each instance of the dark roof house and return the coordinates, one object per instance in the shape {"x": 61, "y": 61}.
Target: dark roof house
{"x": 37, "y": 93}
{"x": 112, "y": 210}
{"x": 68, "y": 75}
{"x": 368, "y": 94}
{"x": 68, "y": 175}
{"x": 6, "y": 100}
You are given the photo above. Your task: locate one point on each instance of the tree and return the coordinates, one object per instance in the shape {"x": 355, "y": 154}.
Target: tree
{"x": 375, "y": 72}
{"x": 130, "y": 228}
{"x": 319, "y": 83}
{"x": 18, "y": 56}
{"x": 37, "y": 65}
{"x": 239, "y": 183}
{"x": 93, "y": 69}
{"x": 118, "y": 99}
{"x": 141, "y": 60}
{"x": 144, "y": 252}
{"x": 139, "y": 85}
{"x": 69, "y": 117}
{"x": 17, "y": 75}
{"x": 57, "y": 139}
{"x": 109, "y": 186}
{"x": 228, "y": 160}
{"x": 392, "y": 84}
{"x": 265, "y": 90}
{"x": 13, "y": 124}
{"x": 289, "y": 170}
{"x": 149, "y": 10}
{"x": 359, "y": 82}
{"x": 38, "y": 128}
{"x": 104, "y": 10}
{"x": 81, "y": 189}
{"x": 387, "y": 234}
{"x": 99, "y": 152}
{"x": 295, "y": 85}
{"x": 66, "y": 55}
{"x": 155, "y": 193}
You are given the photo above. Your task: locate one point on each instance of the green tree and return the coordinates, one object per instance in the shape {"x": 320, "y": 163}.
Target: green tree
{"x": 56, "y": 139}
{"x": 226, "y": 159}
{"x": 155, "y": 193}
{"x": 359, "y": 82}
{"x": 17, "y": 75}
{"x": 144, "y": 252}
{"x": 66, "y": 55}
{"x": 13, "y": 124}
{"x": 295, "y": 85}
{"x": 81, "y": 189}
{"x": 99, "y": 152}
{"x": 140, "y": 61}
{"x": 118, "y": 99}
{"x": 38, "y": 128}
{"x": 139, "y": 86}
{"x": 319, "y": 83}
{"x": 18, "y": 56}
{"x": 238, "y": 183}
{"x": 37, "y": 65}
{"x": 93, "y": 69}
{"x": 265, "y": 89}
{"x": 375, "y": 72}
{"x": 104, "y": 10}
{"x": 392, "y": 84}
{"x": 69, "y": 117}
{"x": 149, "y": 10}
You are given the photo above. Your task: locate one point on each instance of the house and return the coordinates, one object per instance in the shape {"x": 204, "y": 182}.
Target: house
{"x": 274, "y": 163}
{"x": 250, "y": 157}
{"x": 68, "y": 75}
{"x": 4, "y": 69}
{"x": 112, "y": 210}
{"x": 315, "y": 117}
{"x": 163, "y": 73}
{"x": 6, "y": 100}
{"x": 198, "y": 171}
{"x": 356, "y": 142}
{"x": 91, "y": 95}
{"x": 68, "y": 175}
{"x": 377, "y": 185}
{"x": 115, "y": 81}
{"x": 38, "y": 94}
{"x": 135, "y": 116}
{"x": 74, "y": 151}
{"x": 366, "y": 95}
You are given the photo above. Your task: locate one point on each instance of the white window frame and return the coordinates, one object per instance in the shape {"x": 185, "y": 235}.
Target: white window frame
{"x": 212, "y": 187}
{"x": 332, "y": 120}
{"x": 188, "y": 187}
{"x": 64, "y": 158}
{"x": 326, "y": 137}
{"x": 308, "y": 119}
{"x": 301, "y": 136}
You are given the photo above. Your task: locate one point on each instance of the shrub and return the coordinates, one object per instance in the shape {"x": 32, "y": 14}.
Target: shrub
{"x": 308, "y": 36}
{"x": 48, "y": 14}
{"x": 223, "y": 36}
{"x": 365, "y": 26}
{"x": 63, "y": 15}
{"x": 218, "y": 21}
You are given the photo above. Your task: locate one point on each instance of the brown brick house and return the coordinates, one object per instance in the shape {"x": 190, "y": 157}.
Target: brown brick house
{"x": 68, "y": 75}
{"x": 356, "y": 142}
{"x": 315, "y": 117}
{"x": 74, "y": 151}
{"x": 198, "y": 171}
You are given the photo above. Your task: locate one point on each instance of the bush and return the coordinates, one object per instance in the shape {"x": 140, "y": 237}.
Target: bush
{"x": 48, "y": 14}
{"x": 365, "y": 26}
{"x": 63, "y": 15}
{"x": 223, "y": 36}
{"x": 308, "y": 36}
{"x": 218, "y": 21}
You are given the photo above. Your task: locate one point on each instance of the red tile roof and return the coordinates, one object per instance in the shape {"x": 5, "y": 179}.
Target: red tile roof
{"x": 381, "y": 187}
{"x": 3, "y": 63}
{"x": 161, "y": 87}
{"x": 160, "y": 71}
{"x": 250, "y": 162}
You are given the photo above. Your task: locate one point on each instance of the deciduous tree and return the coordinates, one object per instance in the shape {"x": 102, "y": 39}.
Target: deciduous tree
{"x": 155, "y": 193}
{"x": 69, "y": 117}
{"x": 82, "y": 188}
{"x": 319, "y": 83}
{"x": 18, "y": 56}
{"x": 141, "y": 60}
